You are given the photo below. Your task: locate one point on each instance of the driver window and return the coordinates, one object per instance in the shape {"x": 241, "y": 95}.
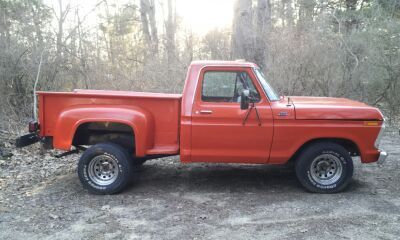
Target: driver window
{"x": 224, "y": 86}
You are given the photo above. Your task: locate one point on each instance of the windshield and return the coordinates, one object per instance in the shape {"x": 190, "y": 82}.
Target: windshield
{"x": 272, "y": 95}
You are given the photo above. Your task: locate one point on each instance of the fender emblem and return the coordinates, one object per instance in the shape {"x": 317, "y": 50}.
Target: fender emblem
{"x": 283, "y": 114}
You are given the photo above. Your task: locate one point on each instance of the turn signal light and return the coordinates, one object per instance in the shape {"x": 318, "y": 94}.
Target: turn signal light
{"x": 371, "y": 123}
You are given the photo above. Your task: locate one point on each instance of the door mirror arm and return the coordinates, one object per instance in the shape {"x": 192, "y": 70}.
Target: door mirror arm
{"x": 245, "y": 104}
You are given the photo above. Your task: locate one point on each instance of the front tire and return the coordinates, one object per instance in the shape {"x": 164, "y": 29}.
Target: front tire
{"x": 324, "y": 167}
{"x": 105, "y": 168}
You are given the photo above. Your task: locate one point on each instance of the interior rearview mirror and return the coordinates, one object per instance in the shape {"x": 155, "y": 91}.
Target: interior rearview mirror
{"x": 244, "y": 99}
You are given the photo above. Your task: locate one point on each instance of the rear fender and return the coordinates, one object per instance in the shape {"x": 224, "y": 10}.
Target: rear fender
{"x": 140, "y": 120}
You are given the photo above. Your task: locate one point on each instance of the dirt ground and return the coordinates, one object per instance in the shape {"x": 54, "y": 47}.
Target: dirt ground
{"x": 41, "y": 198}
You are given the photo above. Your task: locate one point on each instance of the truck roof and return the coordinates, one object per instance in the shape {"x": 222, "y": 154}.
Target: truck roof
{"x": 237, "y": 63}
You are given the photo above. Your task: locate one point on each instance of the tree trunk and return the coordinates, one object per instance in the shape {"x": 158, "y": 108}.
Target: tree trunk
{"x": 350, "y": 61}
{"x": 144, "y": 8}
{"x": 306, "y": 12}
{"x": 243, "y": 31}
{"x": 262, "y": 27}
{"x": 153, "y": 26}
{"x": 170, "y": 35}
{"x": 38, "y": 27}
{"x": 289, "y": 13}
{"x": 60, "y": 30}
{"x": 149, "y": 24}
{"x": 59, "y": 42}
{"x": 351, "y": 21}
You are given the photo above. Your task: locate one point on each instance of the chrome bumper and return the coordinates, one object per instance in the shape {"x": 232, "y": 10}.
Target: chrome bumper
{"x": 382, "y": 157}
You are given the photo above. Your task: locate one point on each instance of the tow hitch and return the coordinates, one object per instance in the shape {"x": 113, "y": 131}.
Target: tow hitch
{"x": 27, "y": 140}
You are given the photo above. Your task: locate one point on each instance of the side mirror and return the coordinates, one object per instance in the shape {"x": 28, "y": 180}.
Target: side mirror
{"x": 244, "y": 99}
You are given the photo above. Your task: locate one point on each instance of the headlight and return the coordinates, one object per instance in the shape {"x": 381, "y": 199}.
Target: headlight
{"x": 380, "y": 135}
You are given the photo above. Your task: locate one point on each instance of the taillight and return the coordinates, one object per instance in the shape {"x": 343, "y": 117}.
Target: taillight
{"x": 33, "y": 126}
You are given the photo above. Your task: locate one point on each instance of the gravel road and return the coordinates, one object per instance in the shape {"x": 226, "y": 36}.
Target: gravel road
{"x": 41, "y": 198}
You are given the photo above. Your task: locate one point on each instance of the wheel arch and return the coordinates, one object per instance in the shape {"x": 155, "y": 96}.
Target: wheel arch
{"x": 139, "y": 121}
{"x": 92, "y": 132}
{"x": 348, "y": 144}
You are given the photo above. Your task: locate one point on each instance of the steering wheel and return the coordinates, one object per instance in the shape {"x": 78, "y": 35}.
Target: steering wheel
{"x": 253, "y": 95}
{"x": 236, "y": 95}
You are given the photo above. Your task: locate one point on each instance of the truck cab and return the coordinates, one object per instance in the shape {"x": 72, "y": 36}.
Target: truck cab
{"x": 228, "y": 113}
{"x": 219, "y": 128}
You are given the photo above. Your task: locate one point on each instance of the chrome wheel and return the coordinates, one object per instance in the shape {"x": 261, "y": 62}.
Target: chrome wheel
{"x": 103, "y": 170}
{"x": 326, "y": 169}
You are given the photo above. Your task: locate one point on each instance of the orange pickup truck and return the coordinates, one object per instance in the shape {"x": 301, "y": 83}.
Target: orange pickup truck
{"x": 228, "y": 113}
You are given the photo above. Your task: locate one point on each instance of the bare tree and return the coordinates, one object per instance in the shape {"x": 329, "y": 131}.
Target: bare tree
{"x": 170, "y": 31}
{"x": 61, "y": 17}
{"x": 216, "y": 44}
{"x": 149, "y": 25}
{"x": 263, "y": 25}
{"x": 287, "y": 15}
{"x": 306, "y": 13}
{"x": 346, "y": 48}
{"x": 243, "y": 31}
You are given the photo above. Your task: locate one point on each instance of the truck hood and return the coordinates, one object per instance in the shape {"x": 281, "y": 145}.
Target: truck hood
{"x": 333, "y": 108}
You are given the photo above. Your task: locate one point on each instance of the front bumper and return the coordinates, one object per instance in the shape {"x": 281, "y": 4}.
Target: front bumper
{"x": 382, "y": 156}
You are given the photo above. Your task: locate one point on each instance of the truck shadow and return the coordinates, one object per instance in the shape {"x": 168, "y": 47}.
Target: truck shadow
{"x": 216, "y": 177}
{"x": 208, "y": 178}
{"x": 220, "y": 177}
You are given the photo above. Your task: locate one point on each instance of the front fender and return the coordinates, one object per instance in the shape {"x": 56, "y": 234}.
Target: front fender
{"x": 290, "y": 136}
{"x": 140, "y": 120}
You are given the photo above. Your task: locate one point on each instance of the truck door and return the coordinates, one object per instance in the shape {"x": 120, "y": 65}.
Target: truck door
{"x": 220, "y": 130}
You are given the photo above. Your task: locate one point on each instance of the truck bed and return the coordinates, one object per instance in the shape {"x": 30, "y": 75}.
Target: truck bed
{"x": 162, "y": 110}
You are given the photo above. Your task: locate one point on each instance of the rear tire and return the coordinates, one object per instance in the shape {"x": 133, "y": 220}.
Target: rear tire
{"x": 324, "y": 167}
{"x": 105, "y": 168}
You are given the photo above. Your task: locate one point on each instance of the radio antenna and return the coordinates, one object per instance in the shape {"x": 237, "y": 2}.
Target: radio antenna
{"x": 34, "y": 87}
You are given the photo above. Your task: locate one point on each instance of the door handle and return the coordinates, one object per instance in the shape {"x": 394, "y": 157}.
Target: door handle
{"x": 206, "y": 112}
